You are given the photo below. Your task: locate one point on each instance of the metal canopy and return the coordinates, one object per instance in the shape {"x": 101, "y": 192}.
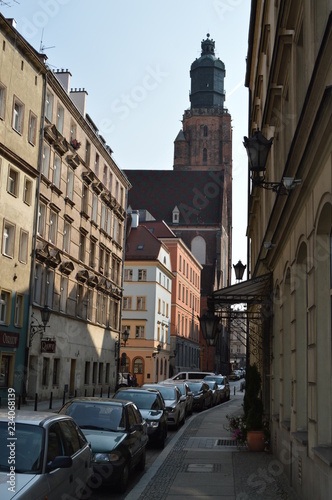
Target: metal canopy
{"x": 254, "y": 291}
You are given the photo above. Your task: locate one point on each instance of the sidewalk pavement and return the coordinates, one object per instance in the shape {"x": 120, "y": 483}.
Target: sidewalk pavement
{"x": 202, "y": 462}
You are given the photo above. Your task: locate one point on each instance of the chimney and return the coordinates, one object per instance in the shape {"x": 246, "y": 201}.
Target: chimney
{"x": 134, "y": 218}
{"x": 78, "y": 96}
{"x": 63, "y": 76}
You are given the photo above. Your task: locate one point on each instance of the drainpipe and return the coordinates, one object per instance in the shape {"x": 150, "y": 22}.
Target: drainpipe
{"x": 34, "y": 240}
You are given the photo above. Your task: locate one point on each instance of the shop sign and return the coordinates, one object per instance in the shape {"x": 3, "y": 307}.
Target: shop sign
{"x": 48, "y": 346}
{"x": 9, "y": 339}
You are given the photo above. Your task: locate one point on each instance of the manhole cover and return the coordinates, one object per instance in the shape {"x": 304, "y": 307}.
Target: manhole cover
{"x": 200, "y": 468}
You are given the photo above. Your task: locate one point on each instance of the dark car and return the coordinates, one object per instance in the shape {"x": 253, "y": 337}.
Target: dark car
{"x": 152, "y": 407}
{"x": 223, "y": 384}
{"x": 174, "y": 401}
{"x": 216, "y": 392}
{"x": 117, "y": 434}
{"x": 202, "y": 394}
{"x": 48, "y": 456}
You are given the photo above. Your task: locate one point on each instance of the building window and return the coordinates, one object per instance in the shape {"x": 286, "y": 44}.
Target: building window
{"x": 105, "y": 175}
{"x": 107, "y": 264}
{"x": 70, "y": 184}
{"x": 103, "y": 217}
{"x": 204, "y": 155}
{"x": 73, "y": 131}
{"x": 97, "y": 165}
{"x": 128, "y": 275}
{"x": 57, "y": 171}
{"x": 49, "y": 287}
{"x": 101, "y": 259}
{"x": 107, "y": 373}
{"x": 4, "y": 307}
{"x": 45, "y": 372}
{"x": 6, "y": 368}
{"x": 142, "y": 275}
{"x": 32, "y": 131}
{"x": 81, "y": 302}
{"x": 94, "y": 372}
{"x": 66, "y": 237}
{"x": 53, "y": 227}
{"x": 81, "y": 255}
{"x": 27, "y": 193}
{"x": 85, "y": 199}
{"x": 139, "y": 333}
{"x": 56, "y": 371}
{"x": 2, "y": 101}
{"x": 42, "y": 220}
{"x": 100, "y": 373}
{"x": 8, "y": 239}
{"x": 94, "y": 208}
{"x": 92, "y": 256}
{"x": 127, "y": 302}
{"x": 46, "y": 160}
{"x": 159, "y": 306}
{"x": 205, "y": 131}
{"x": 60, "y": 119}
{"x": 87, "y": 373}
{"x": 13, "y": 181}
{"x": 109, "y": 222}
{"x": 63, "y": 293}
{"x": 18, "y": 114}
{"x": 87, "y": 153}
{"x": 49, "y": 106}
{"x": 141, "y": 303}
{"x": 110, "y": 182}
{"x": 38, "y": 284}
{"x": 23, "y": 248}
{"x": 90, "y": 304}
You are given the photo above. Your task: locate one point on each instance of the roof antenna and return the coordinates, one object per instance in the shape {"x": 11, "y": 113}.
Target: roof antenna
{"x": 42, "y": 47}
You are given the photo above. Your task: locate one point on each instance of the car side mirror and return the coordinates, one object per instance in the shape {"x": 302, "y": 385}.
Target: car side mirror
{"x": 60, "y": 463}
{"x": 182, "y": 399}
{"x": 136, "y": 427}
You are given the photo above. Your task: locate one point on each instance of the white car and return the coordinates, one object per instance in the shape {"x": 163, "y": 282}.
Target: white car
{"x": 46, "y": 456}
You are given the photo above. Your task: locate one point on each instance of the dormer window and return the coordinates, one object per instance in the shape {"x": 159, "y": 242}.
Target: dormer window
{"x": 176, "y": 215}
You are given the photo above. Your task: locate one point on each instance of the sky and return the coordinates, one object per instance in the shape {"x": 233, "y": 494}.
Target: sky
{"x": 133, "y": 58}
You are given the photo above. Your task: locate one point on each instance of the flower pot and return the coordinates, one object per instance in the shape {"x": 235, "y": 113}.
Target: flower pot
{"x": 256, "y": 440}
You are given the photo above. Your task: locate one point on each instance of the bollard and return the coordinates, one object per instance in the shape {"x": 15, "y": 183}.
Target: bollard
{"x": 64, "y": 397}
{"x": 36, "y": 401}
{"x": 109, "y": 392}
{"x": 234, "y": 390}
{"x": 93, "y": 392}
{"x": 51, "y": 400}
{"x": 75, "y": 393}
{"x": 19, "y": 403}
{"x": 85, "y": 393}
{"x": 101, "y": 392}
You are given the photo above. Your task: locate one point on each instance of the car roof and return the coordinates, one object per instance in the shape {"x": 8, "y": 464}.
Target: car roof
{"x": 138, "y": 389}
{"x": 106, "y": 401}
{"x": 33, "y": 417}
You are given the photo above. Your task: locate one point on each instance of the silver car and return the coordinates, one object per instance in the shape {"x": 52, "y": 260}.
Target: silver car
{"x": 43, "y": 455}
{"x": 174, "y": 401}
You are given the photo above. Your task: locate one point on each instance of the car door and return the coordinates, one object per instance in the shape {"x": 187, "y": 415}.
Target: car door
{"x": 135, "y": 435}
{"x": 61, "y": 481}
{"x": 76, "y": 447}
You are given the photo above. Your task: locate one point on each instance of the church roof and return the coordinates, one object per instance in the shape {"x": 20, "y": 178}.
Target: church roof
{"x": 197, "y": 194}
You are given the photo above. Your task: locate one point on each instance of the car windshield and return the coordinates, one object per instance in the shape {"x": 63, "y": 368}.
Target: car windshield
{"x": 99, "y": 416}
{"x": 210, "y": 383}
{"x": 195, "y": 386}
{"x": 219, "y": 380}
{"x": 23, "y": 450}
{"x": 167, "y": 392}
{"x": 143, "y": 401}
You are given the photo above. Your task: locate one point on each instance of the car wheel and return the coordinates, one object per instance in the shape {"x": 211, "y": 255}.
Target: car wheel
{"x": 141, "y": 464}
{"x": 123, "y": 481}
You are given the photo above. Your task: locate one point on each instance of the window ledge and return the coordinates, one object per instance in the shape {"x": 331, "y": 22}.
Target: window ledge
{"x": 301, "y": 437}
{"x": 324, "y": 453}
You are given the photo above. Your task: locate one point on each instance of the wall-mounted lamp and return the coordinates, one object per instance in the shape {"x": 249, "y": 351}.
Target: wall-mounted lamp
{"x": 209, "y": 327}
{"x": 35, "y": 326}
{"x": 157, "y": 351}
{"x": 125, "y": 336}
{"x": 258, "y": 148}
{"x": 239, "y": 269}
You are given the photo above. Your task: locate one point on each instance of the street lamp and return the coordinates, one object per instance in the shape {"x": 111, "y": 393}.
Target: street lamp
{"x": 239, "y": 269}
{"x": 36, "y": 326}
{"x": 209, "y": 327}
{"x": 125, "y": 336}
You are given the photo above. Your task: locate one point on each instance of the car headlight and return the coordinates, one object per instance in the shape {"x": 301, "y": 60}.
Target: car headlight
{"x": 105, "y": 457}
{"x": 171, "y": 409}
{"x": 152, "y": 423}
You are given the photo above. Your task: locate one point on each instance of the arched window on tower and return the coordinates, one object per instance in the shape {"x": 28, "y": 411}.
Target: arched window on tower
{"x": 204, "y": 155}
{"x": 205, "y": 131}
{"x": 220, "y": 152}
{"x": 198, "y": 248}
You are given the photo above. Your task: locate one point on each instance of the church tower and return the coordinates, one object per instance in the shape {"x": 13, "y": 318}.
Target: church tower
{"x": 205, "y": 142}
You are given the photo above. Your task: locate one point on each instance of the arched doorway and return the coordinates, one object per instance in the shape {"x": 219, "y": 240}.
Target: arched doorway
{"x": 138, "y": 371}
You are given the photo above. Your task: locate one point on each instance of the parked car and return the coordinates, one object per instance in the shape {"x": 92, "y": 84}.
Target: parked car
{"x": 223, "y": 385}
{"x": 235, "y": 375}
{"x": 117, "y": 434}
{"x": 202, "y": 394}
{"x": 216, "y": 392}
{"x": 174, "y": 401}
{"x": 185, "y": 391}
{"x": 189, "y": 375}
{"x": 152, "y": 407}
{"x": 48, "y": 456}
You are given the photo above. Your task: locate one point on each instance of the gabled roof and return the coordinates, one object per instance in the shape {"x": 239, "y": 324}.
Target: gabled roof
{"x": 159, "y": 229}
{"x": 197, "y": 194}
{"x": 141, "y": 244}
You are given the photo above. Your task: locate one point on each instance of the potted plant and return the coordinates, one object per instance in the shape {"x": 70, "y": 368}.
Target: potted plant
{"x": 253, "y": 410}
